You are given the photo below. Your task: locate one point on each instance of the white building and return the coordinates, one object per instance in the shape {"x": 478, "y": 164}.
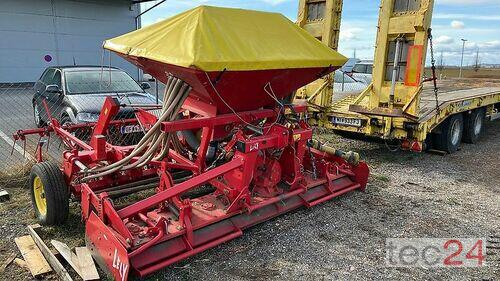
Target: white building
{"x": 35, "y": 34}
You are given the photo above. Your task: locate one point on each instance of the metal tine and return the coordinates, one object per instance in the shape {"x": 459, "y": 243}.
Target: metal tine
{"x": 24, "y": 147}
{"x": 13, "y": 146}
{"x": 48, "y": 142}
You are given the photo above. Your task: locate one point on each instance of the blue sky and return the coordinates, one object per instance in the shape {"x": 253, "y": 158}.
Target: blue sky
{"x": 475, "y": 20}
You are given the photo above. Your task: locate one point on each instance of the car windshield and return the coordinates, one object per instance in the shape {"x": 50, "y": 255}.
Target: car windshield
{"x": 97, "y": 81}
{"x": 362, "y": 68}
{"x": 341, "y": 77}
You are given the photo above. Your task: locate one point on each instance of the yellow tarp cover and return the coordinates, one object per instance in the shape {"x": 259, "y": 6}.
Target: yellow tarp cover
{"x": 213, "y": 38}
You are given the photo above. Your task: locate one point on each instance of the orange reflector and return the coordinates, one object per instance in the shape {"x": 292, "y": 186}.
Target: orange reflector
{"x": 414, "y": 65}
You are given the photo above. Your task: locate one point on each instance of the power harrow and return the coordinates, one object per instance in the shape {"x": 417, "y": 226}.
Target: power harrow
{"x": 226, "y": 153}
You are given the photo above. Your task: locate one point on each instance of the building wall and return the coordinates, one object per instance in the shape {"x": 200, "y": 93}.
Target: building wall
{"x": 35, "y": 34}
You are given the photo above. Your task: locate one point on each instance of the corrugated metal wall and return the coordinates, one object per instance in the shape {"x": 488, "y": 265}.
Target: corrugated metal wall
{"x": 35, "y": 34}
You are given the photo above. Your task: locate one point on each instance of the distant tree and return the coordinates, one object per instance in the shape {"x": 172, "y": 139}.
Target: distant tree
{"x": 477, "y": 62}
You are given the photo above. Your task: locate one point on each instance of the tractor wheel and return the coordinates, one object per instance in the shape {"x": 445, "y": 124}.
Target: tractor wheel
{"x": 49, "y": 194}
{"x": 451, "y": 134}
{"x": 473, "y": 125}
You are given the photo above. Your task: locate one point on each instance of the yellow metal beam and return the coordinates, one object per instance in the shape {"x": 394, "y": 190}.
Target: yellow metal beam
{"x": 321, "y": 18}
{"x": 406, "y": 21}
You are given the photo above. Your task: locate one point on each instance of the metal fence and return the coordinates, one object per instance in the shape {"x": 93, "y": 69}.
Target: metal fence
{"x": 25, "y": 106}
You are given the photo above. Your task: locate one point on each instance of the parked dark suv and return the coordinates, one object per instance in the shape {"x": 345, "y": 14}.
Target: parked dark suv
{"x": 76, "y": 94}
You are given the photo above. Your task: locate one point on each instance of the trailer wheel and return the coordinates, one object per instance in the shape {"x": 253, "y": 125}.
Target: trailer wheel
{"x": 49, "y": 194}
{"x": 473, "y": 125}
{"x": 451, "y": 134}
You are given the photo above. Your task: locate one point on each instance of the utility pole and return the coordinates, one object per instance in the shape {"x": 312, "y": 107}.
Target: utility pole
{"x": 441, "y": 61}
{"x": 477, "y": 63}
{"x": 462, "y": 61}
{"x": 441, "y": 65}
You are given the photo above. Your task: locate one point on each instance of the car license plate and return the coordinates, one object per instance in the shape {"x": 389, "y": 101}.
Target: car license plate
{"x": 131, "y": 129}
{"x": 346, "y": 121}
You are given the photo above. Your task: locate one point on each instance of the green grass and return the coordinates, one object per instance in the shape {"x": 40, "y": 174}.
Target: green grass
{"x": 382, "y": 178}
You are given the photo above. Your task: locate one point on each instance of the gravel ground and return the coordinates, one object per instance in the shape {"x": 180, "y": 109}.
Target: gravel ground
{"x": 409, "y": 195}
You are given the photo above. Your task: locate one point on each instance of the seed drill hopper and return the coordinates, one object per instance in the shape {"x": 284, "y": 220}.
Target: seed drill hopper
{"x": 227, "y": 152}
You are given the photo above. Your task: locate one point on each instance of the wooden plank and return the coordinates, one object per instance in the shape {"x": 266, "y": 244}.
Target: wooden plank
{"x": 47, "y": 253}
{"x": 32, "y": 255}
{"x": 87, "y": 266}
{"x": 4, "y": 195}
{"x": 21, "y": 263}
{"x": 66, "y": 253}
{"x": 7, "y": 262}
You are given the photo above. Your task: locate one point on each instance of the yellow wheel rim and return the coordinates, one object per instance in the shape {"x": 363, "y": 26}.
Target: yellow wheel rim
{"x": 39, "y": 194}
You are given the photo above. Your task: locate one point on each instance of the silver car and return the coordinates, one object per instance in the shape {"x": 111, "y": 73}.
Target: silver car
{"x": 345, "y": 85}
{"x": 362, "y": 72}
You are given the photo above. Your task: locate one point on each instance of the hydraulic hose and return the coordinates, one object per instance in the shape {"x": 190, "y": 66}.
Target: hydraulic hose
{"x": 176, "y": 92}
{"x": 143, "y": 143}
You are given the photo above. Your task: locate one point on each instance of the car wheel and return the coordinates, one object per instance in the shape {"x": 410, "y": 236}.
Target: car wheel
{"x": 81, "y": 134}
{"x": 473, "y": 125}
{"x": 66, "y": 121}
{"x": 36, "y": 116}
{"x": 451, "y": 134}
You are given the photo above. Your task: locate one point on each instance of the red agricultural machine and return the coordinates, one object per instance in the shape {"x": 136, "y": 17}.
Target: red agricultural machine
{"x": 227, "y": 152}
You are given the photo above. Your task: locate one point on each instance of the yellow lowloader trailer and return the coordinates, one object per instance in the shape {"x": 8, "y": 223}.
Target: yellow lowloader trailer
{"x": 396, "y": 107}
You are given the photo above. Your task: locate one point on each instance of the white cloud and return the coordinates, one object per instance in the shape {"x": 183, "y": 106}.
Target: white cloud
{"x": 456, "y": 24}
{"x": 443, "y": 39}
{"x": 492, "y": 45}
{"x": 350, "y": 33}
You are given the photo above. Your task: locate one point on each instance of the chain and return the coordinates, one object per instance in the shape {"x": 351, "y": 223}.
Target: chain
{"x": 433, "y": 68}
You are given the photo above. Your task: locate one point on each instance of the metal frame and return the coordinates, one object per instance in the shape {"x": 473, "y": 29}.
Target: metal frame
{"x": 393, "y": 109}
{"x": 167, "y": 227}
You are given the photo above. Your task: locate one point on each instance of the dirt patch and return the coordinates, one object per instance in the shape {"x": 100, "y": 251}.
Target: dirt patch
{"x": 409, "y": 195}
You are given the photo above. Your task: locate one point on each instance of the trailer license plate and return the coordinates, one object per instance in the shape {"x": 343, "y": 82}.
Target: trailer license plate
{"x": 346, "y": 121}
{"x": 130, "y": 129}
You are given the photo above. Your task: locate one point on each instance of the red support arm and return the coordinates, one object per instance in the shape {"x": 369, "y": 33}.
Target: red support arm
{"x": 109, "y": 110}
{"x": 179, "y": 188}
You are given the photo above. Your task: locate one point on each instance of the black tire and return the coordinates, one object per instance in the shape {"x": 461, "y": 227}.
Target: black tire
{"x": 65, "y": 120}
{"x": 450, "y": 136}
{"x": 54, "y": 191}
{"x": 82, "y": 134}
{"x": 36, "y": 116}
{"x": 473, "y": 125}
{"x": 428, "y": 143}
